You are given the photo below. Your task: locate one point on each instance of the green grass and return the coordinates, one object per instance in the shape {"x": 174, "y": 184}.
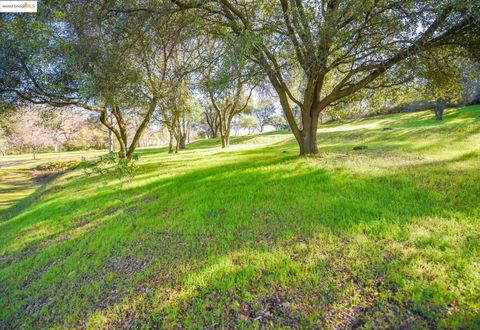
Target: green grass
{"x": 256, "y": 236}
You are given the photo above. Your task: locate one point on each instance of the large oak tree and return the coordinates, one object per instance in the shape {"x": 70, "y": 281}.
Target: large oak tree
{"x": 336, "y": 47}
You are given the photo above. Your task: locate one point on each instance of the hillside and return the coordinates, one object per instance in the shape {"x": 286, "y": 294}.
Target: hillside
{"x": 256, "y": 236}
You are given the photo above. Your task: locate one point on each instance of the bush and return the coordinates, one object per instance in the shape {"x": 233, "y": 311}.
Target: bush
{"x": 110, "y": 166}
{"x": 58, "y": 166}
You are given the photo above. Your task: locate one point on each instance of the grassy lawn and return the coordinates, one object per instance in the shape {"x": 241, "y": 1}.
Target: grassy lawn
{"x": 16, "y": 181}
{"x": 256, "y": 236}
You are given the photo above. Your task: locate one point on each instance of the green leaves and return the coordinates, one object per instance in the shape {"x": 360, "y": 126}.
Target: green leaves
{"x": 111, "y": 167}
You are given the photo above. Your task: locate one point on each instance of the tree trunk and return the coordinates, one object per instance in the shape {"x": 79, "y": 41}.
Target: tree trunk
{"x": 170, "y": 144}
{"x": 440, "y": 107}
{"x": 181, "y": 143}
{"x": 308, "y": 145}
{"x": 122, "y": 153}
{"x": 307, "y": 139}
{"x": 110, "y": 133}
{"x": 141, "y": 128}
{"x": 226, "y": 139}
{"x": 177, "y": 144}
{"x": 214, "y": 133}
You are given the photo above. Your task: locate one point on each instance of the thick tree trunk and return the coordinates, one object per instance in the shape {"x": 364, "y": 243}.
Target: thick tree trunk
{"x": 308, "y": 145}
{"x": 307, "y": 137}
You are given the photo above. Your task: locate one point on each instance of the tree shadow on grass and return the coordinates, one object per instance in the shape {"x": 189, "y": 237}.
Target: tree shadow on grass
{"x": 22, "y": 204}
{"x": 257, "y": 200}
{"x": 259, "y": 230}
{"x": 209, "y": 219}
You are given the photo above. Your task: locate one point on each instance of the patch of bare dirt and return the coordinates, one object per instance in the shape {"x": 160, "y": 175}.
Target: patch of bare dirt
{"x": 42, "y": 177}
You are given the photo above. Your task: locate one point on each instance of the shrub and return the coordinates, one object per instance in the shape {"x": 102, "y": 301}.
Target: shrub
{"x": 57, "y": 166}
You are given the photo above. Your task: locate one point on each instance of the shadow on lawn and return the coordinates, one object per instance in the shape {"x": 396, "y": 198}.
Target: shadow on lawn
{"x": 208, "y": 223}
{"x": 262, "y": 230}
{"x": 22, "y": 204}
{"x": 267, "y": 239}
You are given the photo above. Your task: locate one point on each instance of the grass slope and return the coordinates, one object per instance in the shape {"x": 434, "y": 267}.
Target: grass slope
{"x": 256, "y": 236}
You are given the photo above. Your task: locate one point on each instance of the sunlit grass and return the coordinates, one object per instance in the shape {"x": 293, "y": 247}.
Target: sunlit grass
{"x": 256, "y": 236}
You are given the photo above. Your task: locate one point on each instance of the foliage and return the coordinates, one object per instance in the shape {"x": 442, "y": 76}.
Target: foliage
{"x": 58, "y": 166}
{"x": 279, "y": 122}
{"x": 124, "y": 61}
{"x": 43, "y": 129}
{"x": 445, "y": 79}
{"x": 112, "y": 167}
{"x": 264, "y": 112}
{"x": 248, "y": 122}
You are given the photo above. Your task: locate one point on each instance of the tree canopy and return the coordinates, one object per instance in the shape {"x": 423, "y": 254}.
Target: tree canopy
{"x": 109, "y": 57}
